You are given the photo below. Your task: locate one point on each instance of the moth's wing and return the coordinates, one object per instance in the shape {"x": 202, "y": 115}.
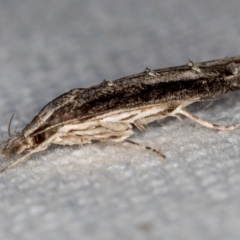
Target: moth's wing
{"x": 54, "y": 113}
{"x": 168, "y": 85}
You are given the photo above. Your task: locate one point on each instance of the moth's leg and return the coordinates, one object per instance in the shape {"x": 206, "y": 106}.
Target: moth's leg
{"x": 140, "y": 123}
{"x": 39, "y": 148}
{"x": 23, "y": 158}
{"x": 208, "y": 124}
{"x": 116, "y": 126}
{"x": 71, "y": 139}
{"x": 170, "y": 111}
{"x": 147, "y": 148}
{"x": 78, "y": 137}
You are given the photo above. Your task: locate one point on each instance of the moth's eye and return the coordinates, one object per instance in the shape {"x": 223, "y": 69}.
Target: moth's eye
{"x": 39, "y": 138}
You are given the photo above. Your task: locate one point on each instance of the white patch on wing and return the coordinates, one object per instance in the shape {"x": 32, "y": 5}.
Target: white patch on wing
{"x": 79, "y": 126}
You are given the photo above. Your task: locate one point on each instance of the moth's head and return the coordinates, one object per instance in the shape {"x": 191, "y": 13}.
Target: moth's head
{"x": 15, "y": 145}
{"x": 19, "y": 143}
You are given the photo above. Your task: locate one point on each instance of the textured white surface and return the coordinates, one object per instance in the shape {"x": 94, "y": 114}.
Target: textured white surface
{"x": 117, "y": 191}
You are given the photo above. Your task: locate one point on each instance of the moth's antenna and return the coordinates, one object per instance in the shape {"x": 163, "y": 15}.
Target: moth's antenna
{"x": 146, "y": 147}
{"x": 40, "y": 147}
{"x": 19, "y": 122}
{"x": 9, "y": 126}
{"x": 16, "y": 162}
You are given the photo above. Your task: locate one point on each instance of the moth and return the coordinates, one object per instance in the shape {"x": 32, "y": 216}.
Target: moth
{"x": 108, "y": 111}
